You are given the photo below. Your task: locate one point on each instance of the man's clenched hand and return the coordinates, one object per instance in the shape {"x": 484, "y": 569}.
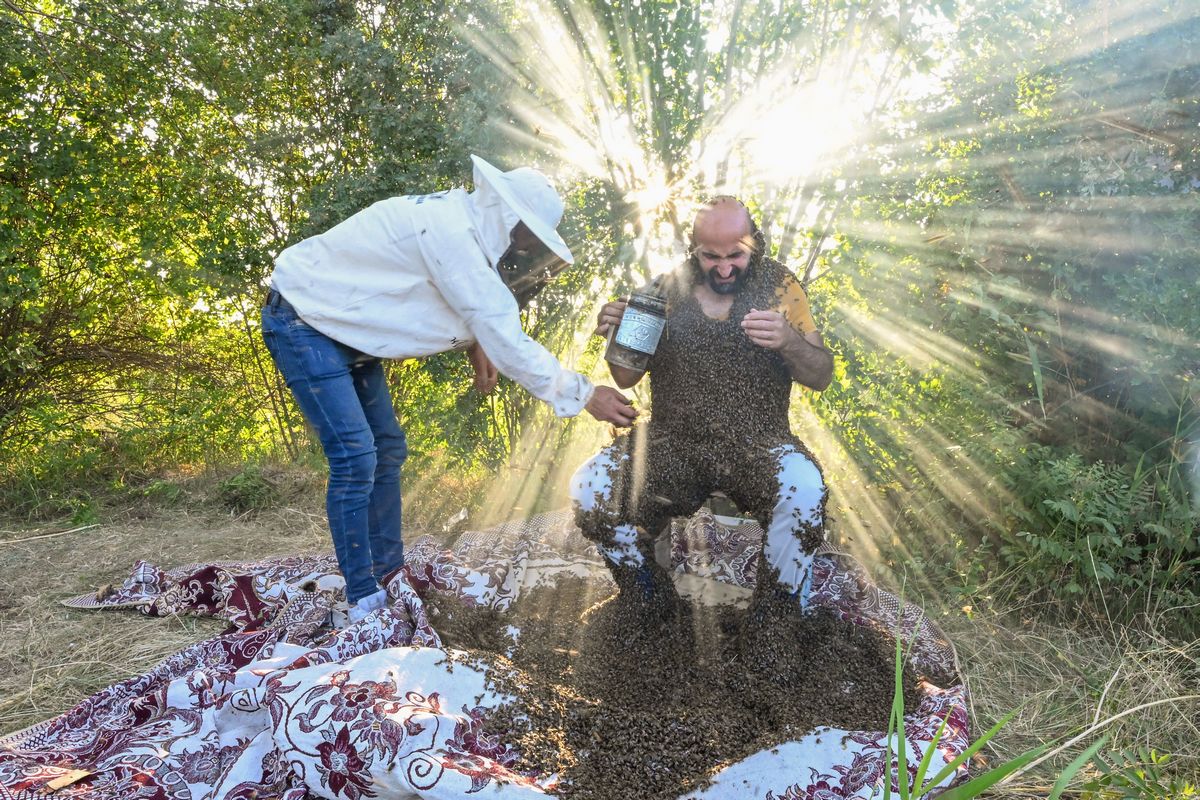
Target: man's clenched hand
{"x": 610, "y": 316}
{"x": 808, "y": 360}
{"x": 769, "y": 329}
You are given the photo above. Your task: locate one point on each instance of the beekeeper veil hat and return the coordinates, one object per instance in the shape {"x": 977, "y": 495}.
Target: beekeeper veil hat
{"x": 531, "y": 196}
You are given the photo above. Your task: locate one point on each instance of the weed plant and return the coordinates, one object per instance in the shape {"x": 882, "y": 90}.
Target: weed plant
{"x": 1097, "y": 771}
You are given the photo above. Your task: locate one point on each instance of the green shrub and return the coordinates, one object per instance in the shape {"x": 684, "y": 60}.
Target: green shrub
{"x": 1137, "y": 774}
{"x": 1099, "y": 532}
{"x": 252, "y": 488}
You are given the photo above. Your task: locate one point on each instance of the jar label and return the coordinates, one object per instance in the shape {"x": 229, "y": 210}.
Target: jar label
{"x": 640, "y": 331}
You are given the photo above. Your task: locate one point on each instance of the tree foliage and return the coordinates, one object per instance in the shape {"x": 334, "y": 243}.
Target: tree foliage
{"x": 157, "y": 156}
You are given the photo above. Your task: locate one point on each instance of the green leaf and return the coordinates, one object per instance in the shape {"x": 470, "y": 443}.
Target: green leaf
{"x": 980, "y": 784}
{"x": 927, "y": 759}
{"x": 1037, "y": 374}
{"x": 1076, "y": 764}
{"x": 971, "y": 750}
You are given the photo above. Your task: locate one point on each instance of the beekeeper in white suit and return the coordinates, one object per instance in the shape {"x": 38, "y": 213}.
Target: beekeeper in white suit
{"x": 409, "y": 277}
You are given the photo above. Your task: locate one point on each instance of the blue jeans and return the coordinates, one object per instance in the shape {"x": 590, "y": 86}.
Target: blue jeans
{"x": 344, "y": 396}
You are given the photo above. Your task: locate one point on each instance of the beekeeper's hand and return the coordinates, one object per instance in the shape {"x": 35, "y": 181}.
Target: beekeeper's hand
{"x": 609, "y": 405}
{"x": 486, "y": 374}
{"x": 769, "y": 329}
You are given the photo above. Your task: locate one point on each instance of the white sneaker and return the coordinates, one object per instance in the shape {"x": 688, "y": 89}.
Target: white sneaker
{"x": 368, "y": 605}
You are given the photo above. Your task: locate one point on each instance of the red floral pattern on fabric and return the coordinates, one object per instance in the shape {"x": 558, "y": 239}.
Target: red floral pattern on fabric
{"x": 342, "y": 769}
{"x": 284, "y": 707}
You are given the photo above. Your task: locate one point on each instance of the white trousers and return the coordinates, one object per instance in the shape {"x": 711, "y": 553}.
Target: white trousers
{"x": 798, "y": 510}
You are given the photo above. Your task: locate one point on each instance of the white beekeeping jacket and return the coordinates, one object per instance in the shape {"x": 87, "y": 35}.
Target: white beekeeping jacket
{"x": 412, "y": 276}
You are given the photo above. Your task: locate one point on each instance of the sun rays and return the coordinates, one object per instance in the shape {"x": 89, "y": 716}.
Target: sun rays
{"x": 802, "y": 109}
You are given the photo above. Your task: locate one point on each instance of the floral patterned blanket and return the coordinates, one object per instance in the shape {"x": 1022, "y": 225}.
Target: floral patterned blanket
{"x": 293, "y": 702}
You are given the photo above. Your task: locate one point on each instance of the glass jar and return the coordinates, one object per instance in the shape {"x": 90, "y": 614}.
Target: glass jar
{"x": 631, "y": 343}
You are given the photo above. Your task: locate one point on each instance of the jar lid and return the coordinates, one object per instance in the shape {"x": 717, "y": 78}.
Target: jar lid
{"x": 649, "y": 300}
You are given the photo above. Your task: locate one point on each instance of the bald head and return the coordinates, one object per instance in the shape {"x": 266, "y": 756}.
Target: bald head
{"x": 723, "y": 245}
{"x": 724, "y": 218}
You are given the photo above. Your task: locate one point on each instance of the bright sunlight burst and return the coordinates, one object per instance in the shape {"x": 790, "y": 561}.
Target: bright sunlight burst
{"x": 797, "y": 114}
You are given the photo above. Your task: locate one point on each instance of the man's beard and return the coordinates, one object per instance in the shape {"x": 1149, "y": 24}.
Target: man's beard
{"x": 740, "y": 276}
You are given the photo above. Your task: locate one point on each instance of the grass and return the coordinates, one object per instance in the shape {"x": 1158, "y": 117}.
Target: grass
{"x": 52, "y": 656}
{"x": 1061, "y": 679}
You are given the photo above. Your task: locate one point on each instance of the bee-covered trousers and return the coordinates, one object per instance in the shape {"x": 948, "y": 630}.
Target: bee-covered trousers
{"x": 624, "y": 502}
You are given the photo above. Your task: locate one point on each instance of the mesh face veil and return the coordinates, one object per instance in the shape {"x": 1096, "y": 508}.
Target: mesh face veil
{"x": 526, "y": 271}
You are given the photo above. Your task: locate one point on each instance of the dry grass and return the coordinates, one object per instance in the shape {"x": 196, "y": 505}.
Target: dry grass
{"x": 1065, "y": 680}
{"x": 52, "y": 656}
{"x": 1062, "y": 678}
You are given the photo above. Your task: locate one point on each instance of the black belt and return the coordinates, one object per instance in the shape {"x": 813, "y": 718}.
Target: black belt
{"x": 276, "y": 300}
